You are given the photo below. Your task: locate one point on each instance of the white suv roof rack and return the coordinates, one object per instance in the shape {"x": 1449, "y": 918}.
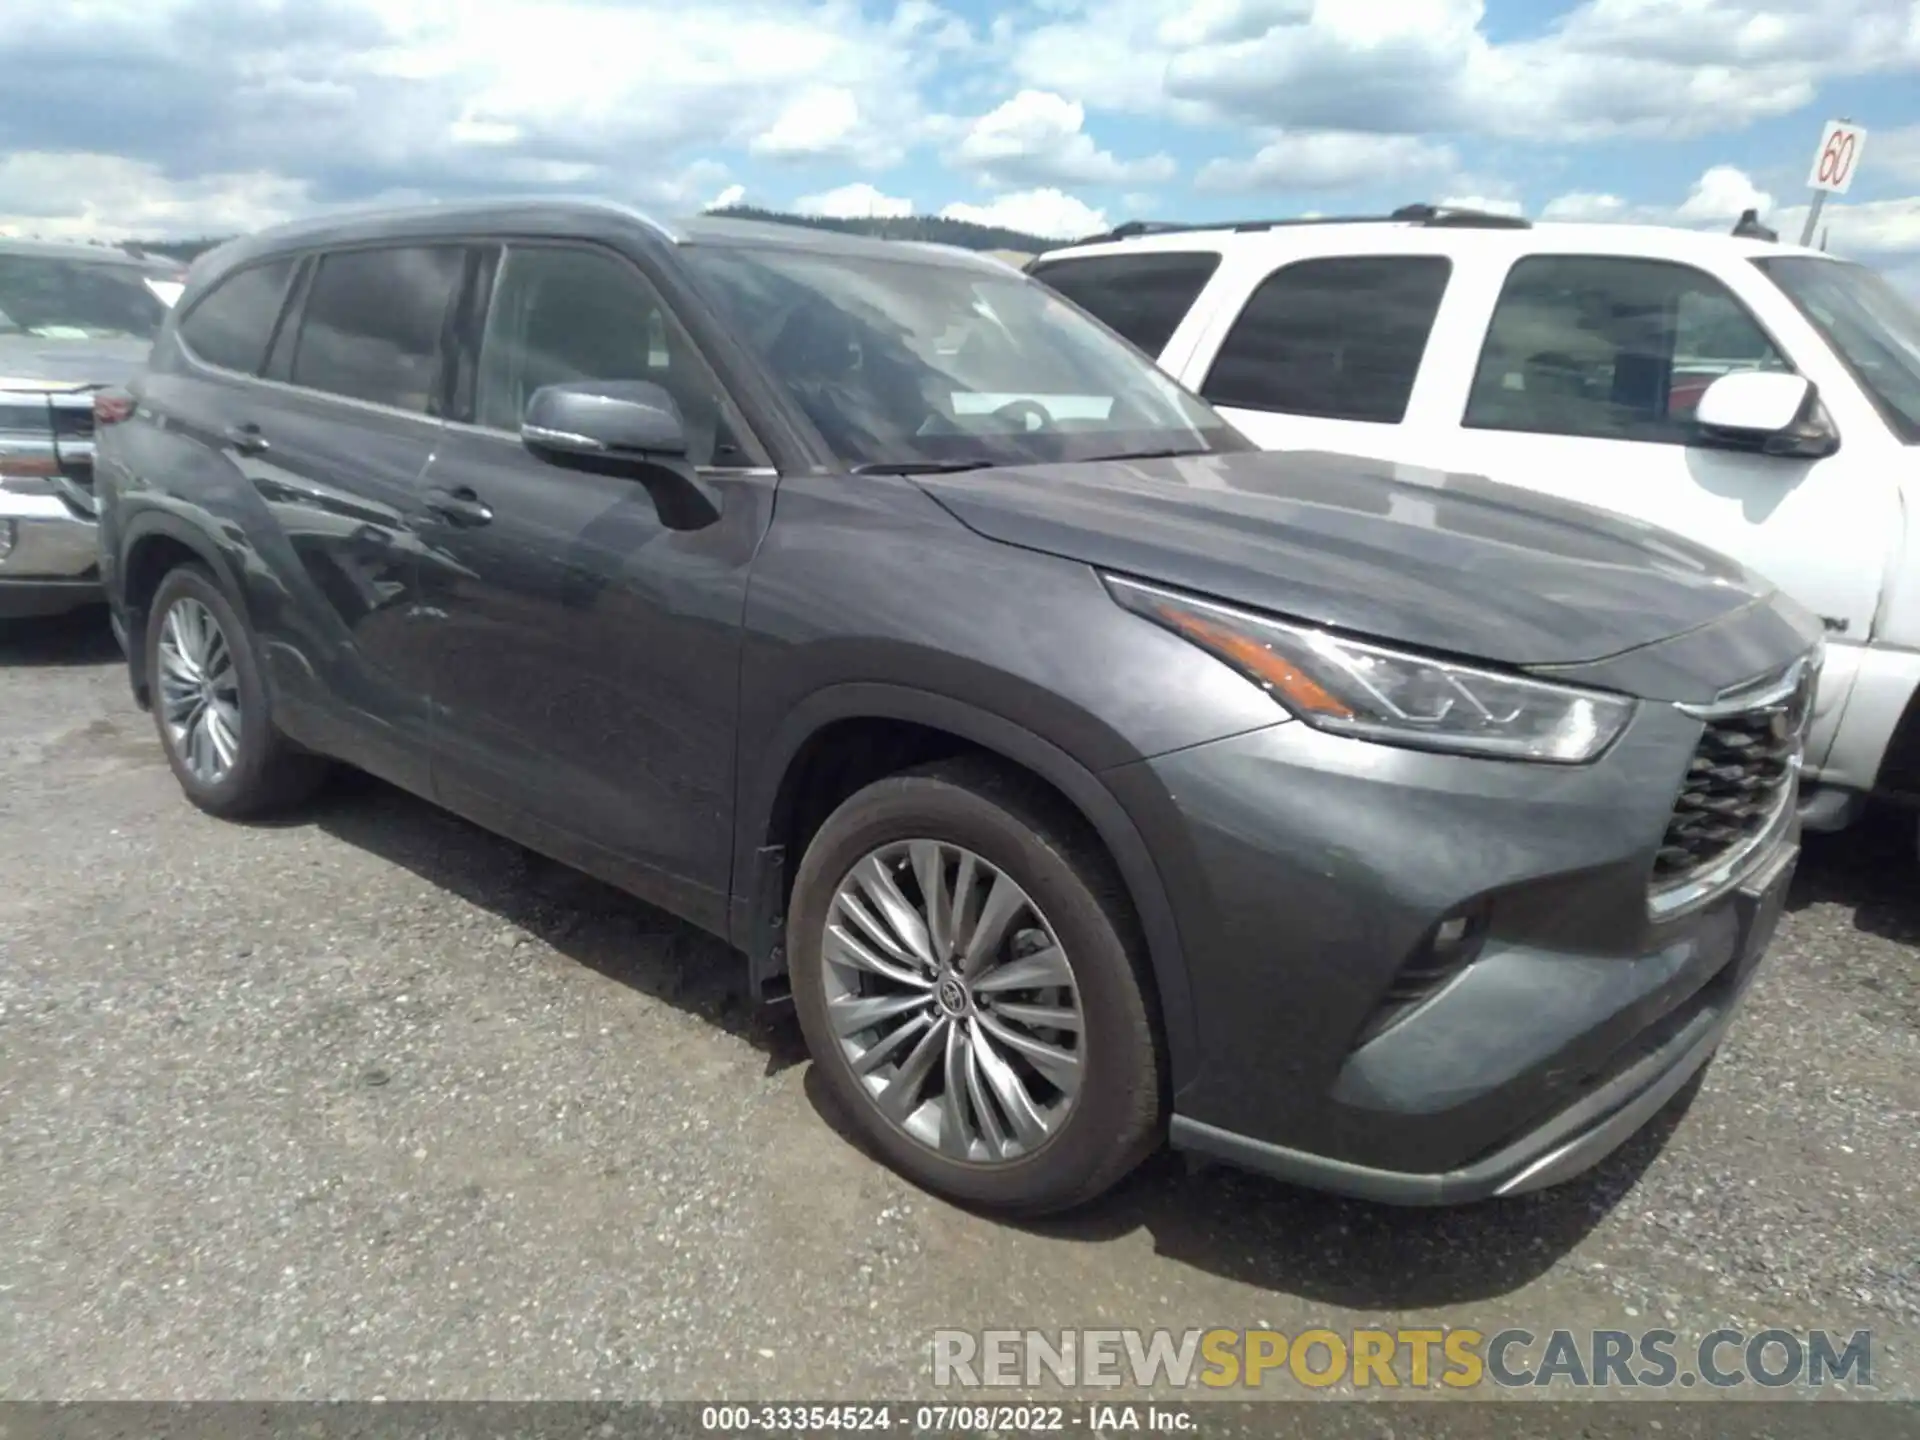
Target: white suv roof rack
{"x": 1417, "y": 214}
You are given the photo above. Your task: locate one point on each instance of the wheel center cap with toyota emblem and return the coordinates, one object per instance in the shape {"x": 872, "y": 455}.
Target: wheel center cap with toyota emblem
{"x": 952, "y": 995}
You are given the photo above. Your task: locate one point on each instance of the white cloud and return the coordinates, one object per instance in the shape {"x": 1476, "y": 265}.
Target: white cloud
{"x": 354, "y": 98}
{"x": 1867, "y": 228}
{"x": 1330, "y": 160}
{"x": 1586, "y": 205}
{"x": 1039, "y": 138}
{"x": 823, "y": 121}
{"x": 1203, "y": 22}
{"x": 1609, "y": 67}
{"x": 1884, "y": 233}
{"x": 1893, "y": 153}
{"x": 1397, "y": 68}
{"x": 1714, "y": 201}
{"x": 682, "y": 190}
{"x": 109, "y": 197}
{"x": 858, "y": 200}
{"x": 1047, "y": 212}
{"x": 1721, "y": 195}
{"x": 727, "y": 198}
{"x": 1740, "y": 32}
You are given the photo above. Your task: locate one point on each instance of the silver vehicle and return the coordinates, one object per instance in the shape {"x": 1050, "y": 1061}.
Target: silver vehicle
{"x": 75, "y": 320}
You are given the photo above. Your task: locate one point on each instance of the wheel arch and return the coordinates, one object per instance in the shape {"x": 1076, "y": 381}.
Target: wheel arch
{"x": 155, "y": 543}
{"x": 1899, "y": 775}
{"x": 772, "y": 797}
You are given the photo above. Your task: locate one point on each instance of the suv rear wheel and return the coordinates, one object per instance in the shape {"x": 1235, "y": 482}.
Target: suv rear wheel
{"x": 210, "y": 703}
{"x": 966, "y": 975}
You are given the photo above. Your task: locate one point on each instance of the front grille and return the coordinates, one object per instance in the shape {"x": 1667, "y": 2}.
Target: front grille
{"x": 1741, "y": 776}
{"x": 73, "y": 439}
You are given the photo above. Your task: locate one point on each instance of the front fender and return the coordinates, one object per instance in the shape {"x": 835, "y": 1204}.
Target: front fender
{"x": 760, "y": 790}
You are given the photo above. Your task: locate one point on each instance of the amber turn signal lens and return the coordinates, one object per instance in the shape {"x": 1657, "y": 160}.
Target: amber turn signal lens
{"x": 1298, "y": 690}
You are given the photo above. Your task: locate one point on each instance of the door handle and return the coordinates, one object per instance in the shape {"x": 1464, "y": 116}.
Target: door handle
{"x": 459, "y": 507}
{"x": 246, "y": 438}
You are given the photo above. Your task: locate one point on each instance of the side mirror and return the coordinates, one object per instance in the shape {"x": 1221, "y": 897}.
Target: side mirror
{"x": 629, "y": 428}
{"x": 1777, "y": 414}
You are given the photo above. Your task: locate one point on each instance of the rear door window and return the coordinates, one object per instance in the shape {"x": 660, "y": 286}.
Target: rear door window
{"x": 373, "y": 325}
{"x": 1338, "y": 339}
{"x": 231, "y": 324}
{"x": 1142, "y": 297}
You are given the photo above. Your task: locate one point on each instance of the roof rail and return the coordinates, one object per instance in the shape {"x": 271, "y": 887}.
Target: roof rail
{"x": 1417, "y": 214}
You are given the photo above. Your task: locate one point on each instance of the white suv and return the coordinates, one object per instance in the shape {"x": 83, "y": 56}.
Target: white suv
{"x": 1760, "y": 398}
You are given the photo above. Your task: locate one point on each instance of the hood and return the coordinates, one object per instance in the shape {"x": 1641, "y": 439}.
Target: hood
{"x": 34, "y": 362}
{"x": 1444, "y": 562}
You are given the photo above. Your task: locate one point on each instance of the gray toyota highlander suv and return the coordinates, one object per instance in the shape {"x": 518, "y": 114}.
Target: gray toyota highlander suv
{"x": 1084, "y": 777}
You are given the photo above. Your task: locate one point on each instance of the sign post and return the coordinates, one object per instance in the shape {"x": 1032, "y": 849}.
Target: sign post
{"x": 1834, "y": 166}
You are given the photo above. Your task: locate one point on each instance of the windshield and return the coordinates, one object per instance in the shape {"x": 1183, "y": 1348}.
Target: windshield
{"x": 1875, "y": 329}
{"x": 56, "y": 298}
{"x": 904, "y": 364}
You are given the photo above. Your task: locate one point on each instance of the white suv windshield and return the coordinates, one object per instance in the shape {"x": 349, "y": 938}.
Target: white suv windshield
{"x": 1874, "y": 328}
{"x": 916, "y": 364}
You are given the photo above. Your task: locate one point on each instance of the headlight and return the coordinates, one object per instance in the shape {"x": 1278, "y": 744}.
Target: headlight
{"x": 1374, "y": 693}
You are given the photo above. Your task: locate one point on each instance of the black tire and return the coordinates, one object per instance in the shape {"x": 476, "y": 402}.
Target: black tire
{"x": 268, "y": 773}
{"x": 1116, "y": 1118}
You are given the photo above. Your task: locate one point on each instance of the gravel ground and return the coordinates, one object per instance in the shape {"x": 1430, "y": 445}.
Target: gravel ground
{"x": 372, "y": 1104}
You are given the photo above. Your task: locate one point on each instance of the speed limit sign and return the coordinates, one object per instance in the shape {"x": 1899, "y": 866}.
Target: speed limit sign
{"x": 1838, "y": 158}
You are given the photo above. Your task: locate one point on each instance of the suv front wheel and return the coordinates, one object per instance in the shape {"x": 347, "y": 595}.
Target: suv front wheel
{"x": 966, "y": 973}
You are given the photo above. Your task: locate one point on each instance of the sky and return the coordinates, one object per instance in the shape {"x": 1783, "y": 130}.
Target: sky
{"x": 175, "y": 118}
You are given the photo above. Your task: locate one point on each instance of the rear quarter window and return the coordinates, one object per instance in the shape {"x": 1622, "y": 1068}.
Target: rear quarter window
{"x": 1141, "y": 297}
{"x": 1340, "y": 338}
{"x": 231, "y": 324}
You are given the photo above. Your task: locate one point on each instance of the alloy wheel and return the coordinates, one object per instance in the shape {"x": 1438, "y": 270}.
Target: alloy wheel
{"x": 953, "y": 1001}
{"x": 199, "y": 691}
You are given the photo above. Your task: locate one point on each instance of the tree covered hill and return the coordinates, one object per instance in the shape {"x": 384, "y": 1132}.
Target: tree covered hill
{"x": 936, "y": 229}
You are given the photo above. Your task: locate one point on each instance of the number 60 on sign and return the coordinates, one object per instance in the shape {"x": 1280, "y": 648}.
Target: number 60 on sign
{"x": 1838, "y": 158}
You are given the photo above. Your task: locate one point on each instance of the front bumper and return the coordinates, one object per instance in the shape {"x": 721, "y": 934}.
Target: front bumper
{"x": 1872, "y": 687}
{"x": 1307, "y": 872}
{"x": 53, "y": 562}
{"x": 1580, "y": 1136}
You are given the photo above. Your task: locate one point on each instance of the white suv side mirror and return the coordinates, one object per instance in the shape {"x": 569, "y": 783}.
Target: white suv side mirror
{"x": 1782, "y": 413}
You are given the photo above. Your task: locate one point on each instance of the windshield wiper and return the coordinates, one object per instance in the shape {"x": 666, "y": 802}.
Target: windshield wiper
{"x": 921, "y": 467}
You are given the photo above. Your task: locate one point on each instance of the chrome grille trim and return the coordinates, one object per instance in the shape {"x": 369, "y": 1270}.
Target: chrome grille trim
{"x": 1741, "y": 795}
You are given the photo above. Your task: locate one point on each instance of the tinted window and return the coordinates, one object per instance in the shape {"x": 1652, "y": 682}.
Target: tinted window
{"x": 563, "y": 314}
{"x": 56, "y": 298}
{"x": 1143, "y": 297}
{"x": 231, "y": 324}
{"x": 372, "y": 324}
{"x": 1612, "y": 348}
{"x": 1874, "y": 328}
{"x": 1340, "y": 339}
{"x": 914, "y": 361}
